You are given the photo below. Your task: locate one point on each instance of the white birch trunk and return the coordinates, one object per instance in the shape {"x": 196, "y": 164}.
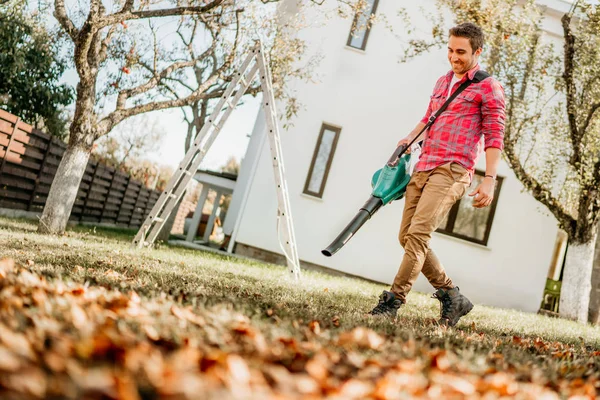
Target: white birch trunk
{"x": 64, "y": 190}
{"x": 577, "y": 281}
{"x": 594, "y": 316}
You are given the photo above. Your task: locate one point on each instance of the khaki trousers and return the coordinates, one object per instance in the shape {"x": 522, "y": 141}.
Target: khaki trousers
{"x": 429, "y": 197}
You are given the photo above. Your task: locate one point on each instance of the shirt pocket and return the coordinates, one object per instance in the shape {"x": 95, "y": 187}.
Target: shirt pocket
{"x": 469, "y": 97}
{"x": 466, "y": 104}
{"x": 437, "y": 101}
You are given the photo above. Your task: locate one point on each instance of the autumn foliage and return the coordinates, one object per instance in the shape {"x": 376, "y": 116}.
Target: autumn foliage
{"x": 59, "y": 339}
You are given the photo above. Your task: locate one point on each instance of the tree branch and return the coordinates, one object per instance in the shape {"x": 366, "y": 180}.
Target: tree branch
{"x": 539, "y": 191}
{"x": 127, "y": 7}
{"x": 200, "y": 93}
{"x": 165, "y": 12}
{"x": 173, "y": 91}
{"x": 104, "y": 48}
{"x": 586, "y": 124}
{"x": 60, "y": 13}
{"x": 181, "y": 82}
{"x": 569, "y": 57}
{"x": 119, "y": 115}
{"x": 529, "y": 67}
{"x": 150, "y": 84}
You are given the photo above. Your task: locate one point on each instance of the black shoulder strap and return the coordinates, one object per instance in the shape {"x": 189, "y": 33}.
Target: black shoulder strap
{"x": 478, "y": 77}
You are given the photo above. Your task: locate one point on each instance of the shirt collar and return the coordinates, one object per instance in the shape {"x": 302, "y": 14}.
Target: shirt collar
{"x": 470, "y": 73}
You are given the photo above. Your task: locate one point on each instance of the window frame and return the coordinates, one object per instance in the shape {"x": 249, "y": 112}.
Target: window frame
{"x": 324, "y": 127}
{"x": 368, "y": 29}
{"x": 454, "y": 213}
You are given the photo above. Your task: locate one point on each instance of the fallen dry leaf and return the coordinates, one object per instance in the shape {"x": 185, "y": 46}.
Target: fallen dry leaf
{"x": 335, "y": 321}
{"x": 355, "y": 389}
{"x": 238, "y": 369}
{"x": 315, "y": 327}
{"x": 187, "y": 315}
{"x": 362, "y": 337}
{"x": 16, "y": 342}
{"x": 9, "y": 362}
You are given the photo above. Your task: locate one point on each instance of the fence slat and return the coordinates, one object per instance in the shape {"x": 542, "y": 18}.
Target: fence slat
{"x": 37, "y": 181}
{"x": 87, "y": 196}
{"x": 10, "y": 141}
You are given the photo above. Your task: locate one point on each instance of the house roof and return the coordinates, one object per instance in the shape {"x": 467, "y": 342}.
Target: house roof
{"x": 226, "y": 175}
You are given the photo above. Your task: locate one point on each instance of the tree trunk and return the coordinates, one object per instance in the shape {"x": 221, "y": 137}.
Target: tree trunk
{"x": 577, "y": 281}
{"x": 64, "y": 190}
{"x": 594, "y": 315}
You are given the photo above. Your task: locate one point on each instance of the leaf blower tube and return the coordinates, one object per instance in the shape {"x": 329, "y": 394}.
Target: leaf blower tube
{"x": 389, "y": 183}
{"x": 365, "y": 212}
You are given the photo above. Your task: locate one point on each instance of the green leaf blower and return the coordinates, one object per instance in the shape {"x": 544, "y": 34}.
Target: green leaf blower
{"x": 389, "y": 184}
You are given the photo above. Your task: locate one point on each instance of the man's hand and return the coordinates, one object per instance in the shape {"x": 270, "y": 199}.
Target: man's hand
{"x": 418, "y": 129}
{"x": 405, "y": 142}
{"x": 484, "y": 193}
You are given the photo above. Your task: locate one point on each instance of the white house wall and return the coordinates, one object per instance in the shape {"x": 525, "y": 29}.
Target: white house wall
{"x": 376, "y": 101}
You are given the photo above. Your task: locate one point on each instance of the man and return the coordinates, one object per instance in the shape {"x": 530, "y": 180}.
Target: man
{"x": 473, "y": 121}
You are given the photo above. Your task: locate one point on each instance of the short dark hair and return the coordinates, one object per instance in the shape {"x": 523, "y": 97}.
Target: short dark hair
{"x": 470, "y": 31}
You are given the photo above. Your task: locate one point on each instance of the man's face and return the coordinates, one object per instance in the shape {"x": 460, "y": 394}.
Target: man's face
{"x": 461, "y": 55}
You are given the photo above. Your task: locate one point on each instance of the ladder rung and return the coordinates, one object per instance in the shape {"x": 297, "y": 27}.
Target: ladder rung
{"x": 173, "y": 196}
{"x": 158, "y": 219}
{"x": 186, "y": 172}
{"x": 244, "y": 81}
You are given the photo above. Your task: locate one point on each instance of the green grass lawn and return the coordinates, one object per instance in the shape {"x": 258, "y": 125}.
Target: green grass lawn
{"x": 210, "y": 326}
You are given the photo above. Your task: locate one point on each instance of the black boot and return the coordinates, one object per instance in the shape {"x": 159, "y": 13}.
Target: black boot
{"x": 453, "y": 305}
{"x": 388, "y": 305}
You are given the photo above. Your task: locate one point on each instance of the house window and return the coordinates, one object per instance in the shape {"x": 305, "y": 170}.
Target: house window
{"x": 361, "y": 26}
{"x": 321, "y": 161}
{"x": 468, "y": 223}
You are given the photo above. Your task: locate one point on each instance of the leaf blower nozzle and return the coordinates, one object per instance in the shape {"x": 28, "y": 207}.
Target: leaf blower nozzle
{"x": 363, "y": 215}
{"x": 389, "y": 183}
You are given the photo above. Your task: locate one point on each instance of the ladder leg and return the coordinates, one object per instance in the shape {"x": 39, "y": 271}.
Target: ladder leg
{"x": 284, "y": 211}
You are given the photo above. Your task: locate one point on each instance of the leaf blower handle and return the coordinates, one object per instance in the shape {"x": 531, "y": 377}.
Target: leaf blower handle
{"x": 400, "y": 150}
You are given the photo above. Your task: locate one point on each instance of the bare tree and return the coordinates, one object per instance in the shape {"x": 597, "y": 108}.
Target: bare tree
{"x": 126, "y": 67}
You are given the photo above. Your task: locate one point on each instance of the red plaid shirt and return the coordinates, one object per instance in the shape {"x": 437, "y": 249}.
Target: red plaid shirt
{"x": 473, "y": 121}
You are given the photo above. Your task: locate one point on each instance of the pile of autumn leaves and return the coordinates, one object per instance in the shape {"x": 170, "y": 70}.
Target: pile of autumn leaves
{"x": 64, "y": 340}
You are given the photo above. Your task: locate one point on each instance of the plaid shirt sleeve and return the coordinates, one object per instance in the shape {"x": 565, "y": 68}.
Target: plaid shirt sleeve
{"x": 493, "y": 114}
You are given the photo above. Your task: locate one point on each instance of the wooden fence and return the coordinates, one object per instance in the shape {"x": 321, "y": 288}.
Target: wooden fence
{"x": 29, "y": 159}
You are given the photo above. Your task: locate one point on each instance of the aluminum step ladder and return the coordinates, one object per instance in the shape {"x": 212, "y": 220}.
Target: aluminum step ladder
{"x": 243, "y": 78}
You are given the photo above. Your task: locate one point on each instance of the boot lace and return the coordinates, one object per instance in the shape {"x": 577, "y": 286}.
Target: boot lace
{"x": 381, "y": 308}
{"x": 445, "y": 305}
